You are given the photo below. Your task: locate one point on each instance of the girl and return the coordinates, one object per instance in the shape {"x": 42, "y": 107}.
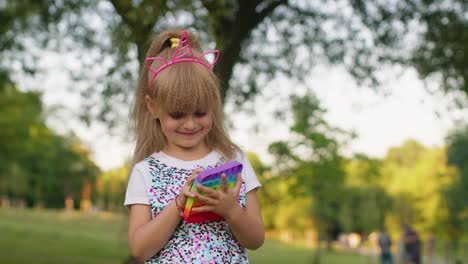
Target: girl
{"x": 179, "y": 132}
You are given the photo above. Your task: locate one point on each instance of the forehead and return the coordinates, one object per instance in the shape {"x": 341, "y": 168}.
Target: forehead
{"x": 186, "y": 87}
{"x": 184, "y": 108}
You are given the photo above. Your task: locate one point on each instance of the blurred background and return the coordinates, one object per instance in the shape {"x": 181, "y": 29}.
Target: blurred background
{"x": 354, "y": 115}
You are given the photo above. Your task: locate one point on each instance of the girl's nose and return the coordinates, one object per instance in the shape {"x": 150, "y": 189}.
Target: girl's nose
{"x": 189, "y": 122}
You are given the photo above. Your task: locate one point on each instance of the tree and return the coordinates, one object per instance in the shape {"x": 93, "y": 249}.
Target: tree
{"x": 362, "y": 170}
{"x": 20, "y": 121}
{"x": 457, "y": 154}
{"x": 110, "y": 188}
{"x": 417, "y": 178}
{"x": 36, "y": 164}
{"x": 364, "y": 203}
{"x": 456, "y": 198}
{"x": 363, "y": 209}
{"x": 313, "y": 160}
{"x": 258, "y": 40}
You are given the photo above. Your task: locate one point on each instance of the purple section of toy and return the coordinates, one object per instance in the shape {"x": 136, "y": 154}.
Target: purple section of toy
{"x": 230, "y": 168}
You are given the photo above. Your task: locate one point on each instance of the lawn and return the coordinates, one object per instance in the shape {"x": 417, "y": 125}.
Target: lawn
{"x": 276, "y": 252}
{"x": 49, "y": 236}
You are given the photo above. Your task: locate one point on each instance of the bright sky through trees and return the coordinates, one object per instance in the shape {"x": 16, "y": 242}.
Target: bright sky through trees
{"x": 379, "y": 121}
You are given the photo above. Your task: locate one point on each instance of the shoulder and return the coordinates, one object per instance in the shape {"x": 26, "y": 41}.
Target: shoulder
{"x": 139, "y": 168}
{"x": 241, "y": 156}
{"x": 143, "y": 167}
{"x": 248, "y": 173}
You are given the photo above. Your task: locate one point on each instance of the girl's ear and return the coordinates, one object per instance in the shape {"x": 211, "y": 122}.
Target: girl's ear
{"x": 150, "y": 106}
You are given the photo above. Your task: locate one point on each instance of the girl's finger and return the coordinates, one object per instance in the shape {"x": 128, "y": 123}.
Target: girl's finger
{"x": 206, "y": 199}
{"x": 208, "y": 191}
{"x": 196, "y": 171}
{"x": 192, "y": 177}
{"x": 187, "y": 193}
{"x": 238, "y": 185}
{"x": 203, "y": 208}
{"x": 224, "y": 186}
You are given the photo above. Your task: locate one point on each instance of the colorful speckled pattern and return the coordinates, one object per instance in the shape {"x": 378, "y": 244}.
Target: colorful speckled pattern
{"x": 208, "y": 242}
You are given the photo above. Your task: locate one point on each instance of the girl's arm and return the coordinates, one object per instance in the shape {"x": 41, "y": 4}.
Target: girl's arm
{"x": 246, "y": 225}
{"x": 147, "y": 236}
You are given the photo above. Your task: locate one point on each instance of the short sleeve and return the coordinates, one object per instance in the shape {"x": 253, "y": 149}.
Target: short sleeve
{"x": 248, "y": 174}
{"x": 137, "y": 189}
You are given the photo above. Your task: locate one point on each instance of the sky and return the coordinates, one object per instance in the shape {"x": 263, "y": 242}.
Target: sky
{"x": 380, "y": 122}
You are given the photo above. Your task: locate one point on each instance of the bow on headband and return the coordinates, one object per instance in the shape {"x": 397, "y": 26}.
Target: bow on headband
{"x": 183, "y": 53}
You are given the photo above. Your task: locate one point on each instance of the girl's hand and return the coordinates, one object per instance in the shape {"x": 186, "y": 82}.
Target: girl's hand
{"x": 221, "y": 201}
{"x": 185, "y": 191}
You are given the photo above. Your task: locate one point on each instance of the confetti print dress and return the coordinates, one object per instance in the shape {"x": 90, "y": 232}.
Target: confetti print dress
{"x": 208, "y": 242}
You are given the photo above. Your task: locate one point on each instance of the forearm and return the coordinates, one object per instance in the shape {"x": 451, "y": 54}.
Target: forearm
{"x": 150, "y": 238}
{"x": 246, "y": 227}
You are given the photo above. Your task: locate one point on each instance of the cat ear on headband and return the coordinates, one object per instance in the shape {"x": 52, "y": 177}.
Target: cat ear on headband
{"x": 183, "y": 53}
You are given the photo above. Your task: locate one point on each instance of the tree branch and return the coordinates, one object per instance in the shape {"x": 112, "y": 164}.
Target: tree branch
{"x": 269, "y": 9}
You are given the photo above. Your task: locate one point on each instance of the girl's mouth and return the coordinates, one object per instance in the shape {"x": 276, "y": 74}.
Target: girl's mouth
{"x": 189, "y": 133}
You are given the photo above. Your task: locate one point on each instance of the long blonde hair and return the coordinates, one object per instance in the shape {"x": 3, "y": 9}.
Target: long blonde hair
{"x": 181, "y": 87}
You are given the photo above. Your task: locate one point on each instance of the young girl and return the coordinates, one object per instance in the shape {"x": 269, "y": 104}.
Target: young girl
{"x": 180, "y": 132}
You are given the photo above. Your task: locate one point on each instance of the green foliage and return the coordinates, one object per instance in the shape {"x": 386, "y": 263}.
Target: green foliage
{"x": 314, "y": 167}
{"x": 363, "y": 209}
{"x": 363, "y": 171}
{"x": 457, "y": 152}
{"x": 416, "y": 177}
{"x": 444, "y": 52}
{"x": 38, "y": 165}
{"x": 110, "y": 188}
{"x": 439, "y": 49}
{"x": 265, "y": 38}
{"x": 456, "y": 197}
{"x": 282, "y": 210}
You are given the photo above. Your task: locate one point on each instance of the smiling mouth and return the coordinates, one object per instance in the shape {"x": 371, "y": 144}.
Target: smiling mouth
{"x": 189, "y": 133}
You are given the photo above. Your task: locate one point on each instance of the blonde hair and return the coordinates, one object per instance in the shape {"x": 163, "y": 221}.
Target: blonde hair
{"x": 181, "y": 87}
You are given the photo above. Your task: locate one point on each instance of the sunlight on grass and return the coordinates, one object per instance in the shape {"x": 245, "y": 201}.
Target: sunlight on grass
{"x": 52, "y": 236}
{"x": 49, "y": 236}
{"x": 276, "y": 252}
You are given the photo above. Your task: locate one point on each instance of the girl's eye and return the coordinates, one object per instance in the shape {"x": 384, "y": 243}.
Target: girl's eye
{"x": 176, "y": 115}
{"x": 200, "y": 114}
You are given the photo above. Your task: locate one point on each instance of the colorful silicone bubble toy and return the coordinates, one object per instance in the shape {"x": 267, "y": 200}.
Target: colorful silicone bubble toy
{"x": 210, "y": 178}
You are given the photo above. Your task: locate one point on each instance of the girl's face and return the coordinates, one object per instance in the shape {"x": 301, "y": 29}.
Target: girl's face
{"x": 186, "y": 131}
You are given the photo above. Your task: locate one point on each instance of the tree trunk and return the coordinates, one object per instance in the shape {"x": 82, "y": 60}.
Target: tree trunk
{"x": 85, "y": 202}
{"x": 316, "y": 258}
{"x": 69, "y": 204}
{"x": 4, "y": 201}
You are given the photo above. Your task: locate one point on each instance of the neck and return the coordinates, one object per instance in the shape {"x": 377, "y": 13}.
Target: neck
{"x": 187, "y": 154}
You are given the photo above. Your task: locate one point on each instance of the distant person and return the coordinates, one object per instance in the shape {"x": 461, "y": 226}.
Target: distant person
{"x": 179, "y": 132}
{"x": 411, "y": 245}
{"x": 430, "y": 247}
{"x": 401, "y": 252}
{"x": 385, "y": 243}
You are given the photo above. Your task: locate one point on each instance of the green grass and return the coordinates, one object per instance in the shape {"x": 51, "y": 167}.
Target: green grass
{"x": 29, "y": 236}
{"x": 49, "y": 236}
{"x": 276, "y": 252}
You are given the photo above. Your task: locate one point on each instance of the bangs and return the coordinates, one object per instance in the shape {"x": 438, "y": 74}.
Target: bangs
{"x": 186, "y": 87}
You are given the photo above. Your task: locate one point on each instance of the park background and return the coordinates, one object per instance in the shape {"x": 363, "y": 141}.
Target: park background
{"x": 321, "y": 94}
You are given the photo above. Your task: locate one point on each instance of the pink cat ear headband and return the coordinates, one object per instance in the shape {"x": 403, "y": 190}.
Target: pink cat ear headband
{"x": 183, "y": 53}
